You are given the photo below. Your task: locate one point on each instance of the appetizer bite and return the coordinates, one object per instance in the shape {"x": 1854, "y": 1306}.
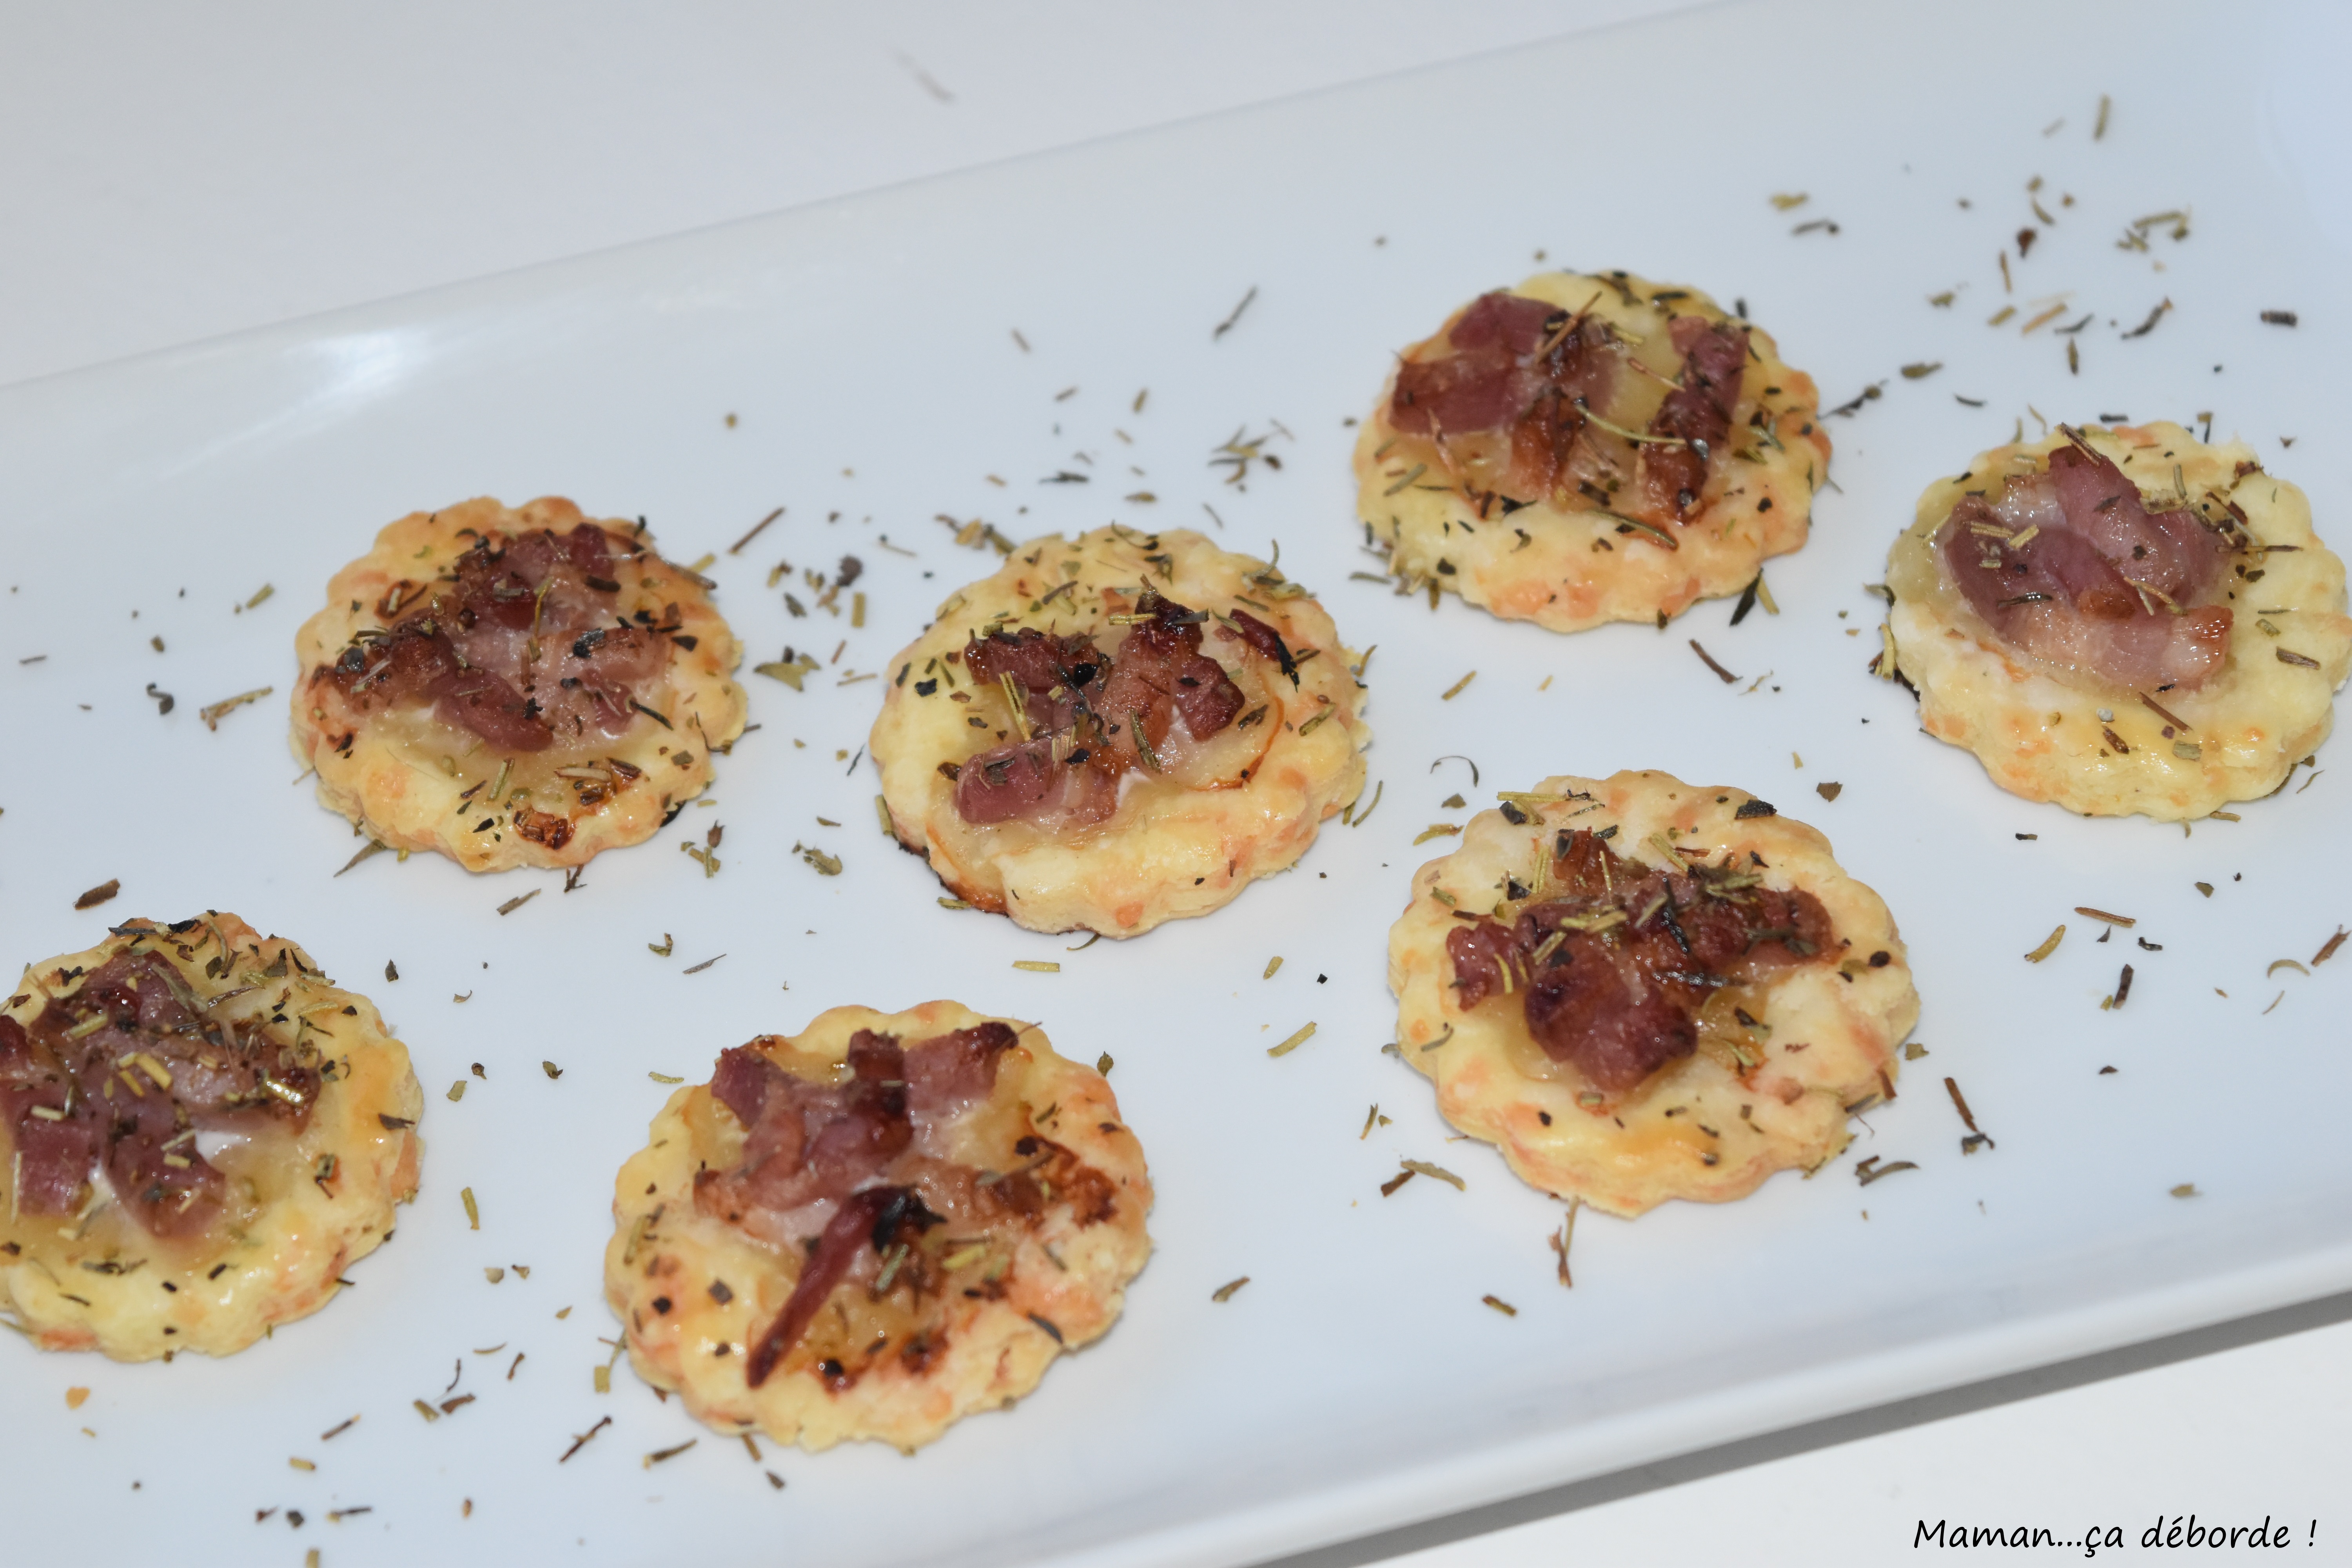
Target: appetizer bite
{"x": 200, "y": 1132}
{"x": 1118, "y": 729}
{"x": 1641, "y": 989}
{"x": 875, "y": 1227}
{"x": 2121, "y": 621}
{"x": 1584, "y": 449}
{"x": 514, "y": 688}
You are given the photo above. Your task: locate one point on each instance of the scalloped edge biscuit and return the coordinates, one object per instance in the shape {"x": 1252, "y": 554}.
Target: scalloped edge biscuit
{"x": 1575, "y": 571}
{"x": 995, "y": 1351}
{"x": 405, "y": 803}
{"x": 2038, "y": 735}
{"x": 1832, "y": 1027}
{"x": 294, "y": 1251}
{"x": 1168, "y": 852}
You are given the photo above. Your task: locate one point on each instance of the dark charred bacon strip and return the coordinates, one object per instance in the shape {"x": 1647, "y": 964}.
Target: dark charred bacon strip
{"x": 115, "y": 1113}
{"x": 1094, "y": 717}
{"x": 850, "y": 1230}
{"x": 2102, "y": 586}
{"x": 1620, "y": 1002}
{"x": 520, "y": 644}
{"x": 1696, "y": 414}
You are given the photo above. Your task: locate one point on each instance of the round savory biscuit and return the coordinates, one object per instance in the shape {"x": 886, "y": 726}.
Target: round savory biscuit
{"x": 1783, "y": 1054}
{"x": 514, "y": 686}
{"x": 2055, "y": 731}
{"x": 201, "y": 1133}
{"x": 1122, "y": 837}
{"x": 875, "y": 1227}
{"x": 1558, "y": 453}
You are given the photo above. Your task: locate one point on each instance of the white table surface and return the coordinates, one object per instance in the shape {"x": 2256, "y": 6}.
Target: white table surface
{"x": 169, "y": 173}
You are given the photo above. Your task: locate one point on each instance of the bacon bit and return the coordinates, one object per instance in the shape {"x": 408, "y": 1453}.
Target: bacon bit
{"x": 2126, "y": 921}
{"x": 100, "y": 894}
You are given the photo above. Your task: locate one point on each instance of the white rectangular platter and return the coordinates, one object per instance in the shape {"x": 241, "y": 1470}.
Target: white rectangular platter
{"x": 858, "y": 363}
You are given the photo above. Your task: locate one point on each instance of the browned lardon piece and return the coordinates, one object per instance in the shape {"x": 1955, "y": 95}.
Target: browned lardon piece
{"x": 875, "y": 1227}
{"x": 1582, "y": 449}
{"x": 514, "y": 686}
{"x": 2121, "y": 621}
{"x": 1639, "y": 989}
{"x": 1118, "y": 729}
{"x": 200, "y": 1133}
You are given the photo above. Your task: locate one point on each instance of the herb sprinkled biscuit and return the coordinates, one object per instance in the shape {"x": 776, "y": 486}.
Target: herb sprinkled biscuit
{"x": 1118, "y": 729}
{"x": 2121, "y": 621}
{"x": 1639, "y": 989}
{"x": 514, "y": 686}
{"x": 875, "y": 1227}
{"x": 200, "y": 1133}
{"x": 1582, "y": 449}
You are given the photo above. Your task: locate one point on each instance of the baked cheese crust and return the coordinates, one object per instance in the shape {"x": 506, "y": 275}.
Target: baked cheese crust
{"x": 2048, "y": 735}
{"x": 300, "y": 1207}
{"x": 1180, "y": 843}
{"x": 1568, "y": 563}
{"x": 1713, "y": 1125}
{"x": 411, "y": 781}
{"x": 970, "y": 1325}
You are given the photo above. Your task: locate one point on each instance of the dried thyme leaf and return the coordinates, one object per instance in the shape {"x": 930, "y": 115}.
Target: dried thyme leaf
{"x": 1225, "y": 1292}
{"x": 2049, "y": 945}
{"x": 1424, "y": 1168}
{"x": 213, "y": 714}
{"x": 1292, "y": 1043}
{"x": 100, "y": 894}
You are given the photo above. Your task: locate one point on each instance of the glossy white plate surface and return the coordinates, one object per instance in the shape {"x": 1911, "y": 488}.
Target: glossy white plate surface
{"x": 866, "y": 351}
